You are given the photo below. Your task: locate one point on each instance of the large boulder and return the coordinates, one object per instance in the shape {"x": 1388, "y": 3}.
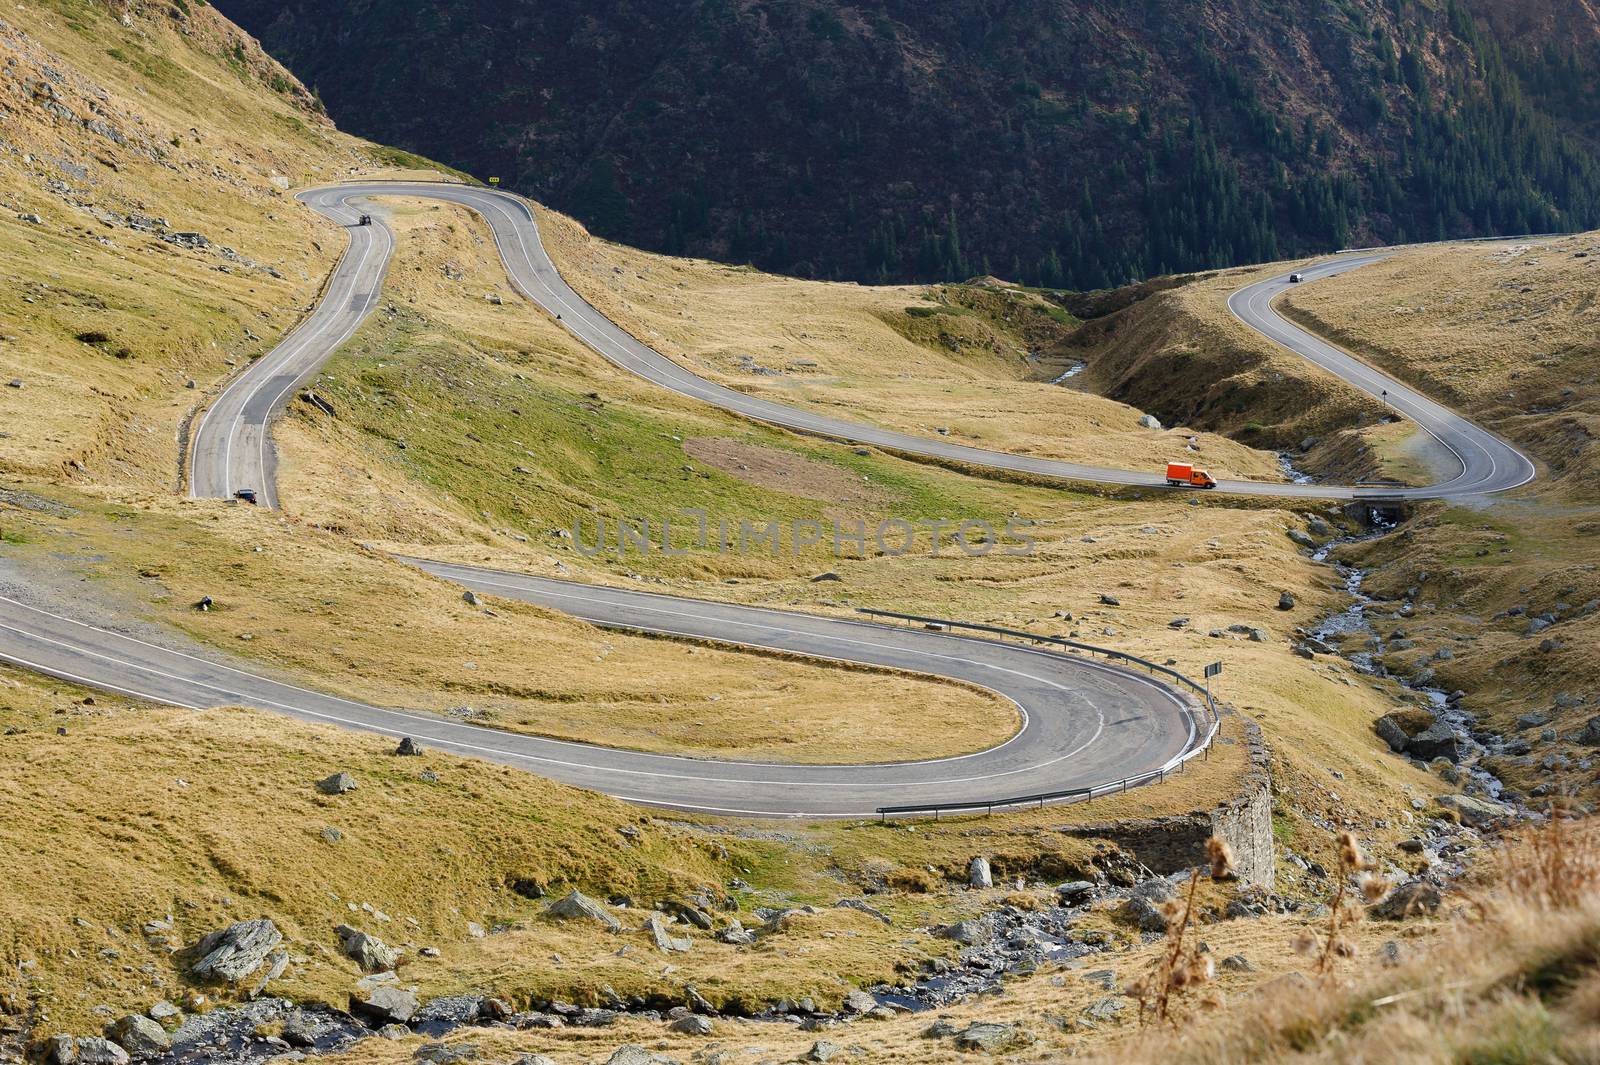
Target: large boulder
{"x": 665, "y": 941}
{"x": 235, "y": 952}
{"x": 1398, "y": 726}
{"x": 1480, "y": 813}
{"x": 576, "y": 905}
{"x": 992, "y": 1038}
{"x": 1411, "y": 899}
{"x": 96, "y": 1050}
{"x": 384, "y": 1004}
{"x": 369, "y": 952}
{"x": 978, "y": 874}
{"x": 139, "y": 1036}
{"x": 1438, "y": 740}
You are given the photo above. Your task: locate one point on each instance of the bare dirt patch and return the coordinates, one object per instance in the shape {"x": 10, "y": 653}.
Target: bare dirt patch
{"x": 783, "y": 471}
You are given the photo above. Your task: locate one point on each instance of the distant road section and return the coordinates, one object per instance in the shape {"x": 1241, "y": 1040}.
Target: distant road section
{"x": 1488, "y": 464}
{"x": 233, "y": 448}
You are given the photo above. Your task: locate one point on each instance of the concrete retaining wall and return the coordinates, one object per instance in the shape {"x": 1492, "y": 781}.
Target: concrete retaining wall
{"x": 1244, "y": 820}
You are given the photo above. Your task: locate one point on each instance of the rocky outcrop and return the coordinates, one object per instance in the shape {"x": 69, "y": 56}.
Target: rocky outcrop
{"x": 237, "y": 951}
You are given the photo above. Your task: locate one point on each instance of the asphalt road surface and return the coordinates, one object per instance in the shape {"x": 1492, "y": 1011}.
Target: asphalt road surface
{"x": 1083, "y": 723}
{"x": 1488, "y": 464}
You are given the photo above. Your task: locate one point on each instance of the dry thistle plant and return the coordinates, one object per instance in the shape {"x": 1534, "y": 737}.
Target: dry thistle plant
{"x": 1554, "y": 866}
{"x": 1356, "y": 870}
{"x": 1182, "y": 966}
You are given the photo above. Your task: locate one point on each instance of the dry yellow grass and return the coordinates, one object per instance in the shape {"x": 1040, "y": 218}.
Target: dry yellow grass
{"x": 361, "y": 624}
{"x": 854, "y": 352}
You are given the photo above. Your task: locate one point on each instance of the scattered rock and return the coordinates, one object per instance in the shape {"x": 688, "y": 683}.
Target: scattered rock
{"x": 1476, "y": 812}
{"x": 576, "y": 904}
{"x": 61, "y": 1049}
{"x": 634, "y": 1054}
{"x": 971, "y": 933}
{"x": 693, "y": 1024}
{"x": 829, "y": 576}
{"x": 1410, "y": 899}
{"x": 1145, "y": 914}
{"x": 1438, "y": 740}
{"x": 1398, "y": 726}
{"x": 1074, "y": 892}
{"x": 384, "y": 1004}
{"x": 95, "y": 1050}
{"x": 978, "y": 874}
{"x": 1149, "y": 421}
{"x": 992, "y": 1038}
{"x": 369, "y": 952}
{"x": 445, "y": 1053}
{"x": 337, "y": 784}
{"x": 302, "y": 1028}
{"x": 1106, "y": 1008}
{"x": 1286, "y": 601}
{"x": 664, "y": 941}
{"x": 163, "y": 1011}
{"x": 237, "y": 951}
{"x": 1238, "y": 963}
{"x": 1109, "y": 600}
{"x": 861, "y": 906}
{"x": 408, "y": 748}
{"x": 1589, "y": 735}
{"x": 470, "y": 597}
{"x": 858, "y": 1001}
{"x": 821, "y": 1050}
{"x": 139, "y": 1036}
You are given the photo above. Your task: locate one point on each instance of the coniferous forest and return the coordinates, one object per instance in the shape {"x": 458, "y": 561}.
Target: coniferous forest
{"x": 1075, "y": 143}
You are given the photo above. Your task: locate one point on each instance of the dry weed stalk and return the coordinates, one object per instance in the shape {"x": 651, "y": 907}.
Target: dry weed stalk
{"x": 1181, "y": 966}
{"x": 1551, "y": 866}
{"x": 1344, "y": 910}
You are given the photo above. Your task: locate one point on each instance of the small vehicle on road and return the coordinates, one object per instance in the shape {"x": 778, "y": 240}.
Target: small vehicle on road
{"x": 1295, "y": 279}
{"x": 246, "y": 495}
{"x": 366, "y": 220}
{"x": 1184, "y": 475}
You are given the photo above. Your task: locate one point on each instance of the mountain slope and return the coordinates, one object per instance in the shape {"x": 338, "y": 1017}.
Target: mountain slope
{"x": 1074, "y": 142}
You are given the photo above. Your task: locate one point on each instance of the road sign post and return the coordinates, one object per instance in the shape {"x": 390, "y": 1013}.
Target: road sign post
{"x": 1214, "y": 669}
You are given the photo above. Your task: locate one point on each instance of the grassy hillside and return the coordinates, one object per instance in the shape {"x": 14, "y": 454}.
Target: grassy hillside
{"x": 512, "y": 432}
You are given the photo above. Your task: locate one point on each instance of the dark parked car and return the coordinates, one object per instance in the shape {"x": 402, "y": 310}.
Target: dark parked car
{"x": 246, "y": 495}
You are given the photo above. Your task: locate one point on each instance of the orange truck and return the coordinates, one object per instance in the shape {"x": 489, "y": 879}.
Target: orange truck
{"x": 1184, "y": 475}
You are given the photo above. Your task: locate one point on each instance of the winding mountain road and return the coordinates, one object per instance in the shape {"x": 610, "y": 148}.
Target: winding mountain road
{"x": 1083, "y": 723}
{"x": 232, "y": 449}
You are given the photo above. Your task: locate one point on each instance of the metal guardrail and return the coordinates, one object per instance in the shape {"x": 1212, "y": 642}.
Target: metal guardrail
{"x": 1199, "y": 742}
